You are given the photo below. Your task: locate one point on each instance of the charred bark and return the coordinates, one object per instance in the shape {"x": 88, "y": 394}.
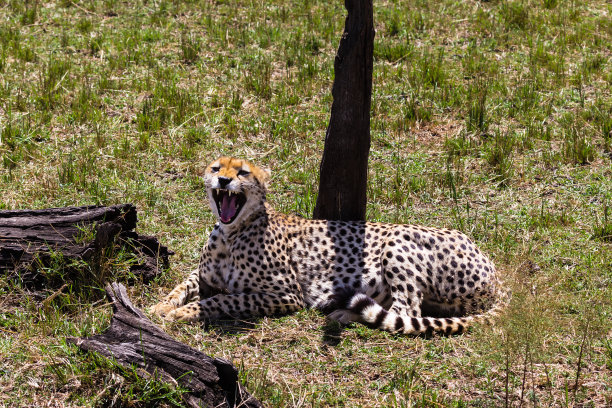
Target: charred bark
{"x": 133, "y": 340}
{"x": 29, "y": 239}
{"x": 344, "y": 166}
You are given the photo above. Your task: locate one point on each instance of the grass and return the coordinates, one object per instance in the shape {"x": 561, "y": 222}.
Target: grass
{"x": 490, "y": 117}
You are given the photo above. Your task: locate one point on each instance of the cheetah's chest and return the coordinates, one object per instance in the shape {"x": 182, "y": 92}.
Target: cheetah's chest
{"x": 258, "y": 262}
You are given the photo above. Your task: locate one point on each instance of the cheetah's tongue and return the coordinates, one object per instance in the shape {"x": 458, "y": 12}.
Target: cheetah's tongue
{"x": 228, "y": 207}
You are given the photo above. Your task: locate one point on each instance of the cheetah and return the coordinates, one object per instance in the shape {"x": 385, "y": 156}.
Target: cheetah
{"x": 258, "y": 262}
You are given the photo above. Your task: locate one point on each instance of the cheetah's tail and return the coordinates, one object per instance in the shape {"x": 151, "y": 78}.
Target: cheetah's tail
{"x": 363, "y": 309}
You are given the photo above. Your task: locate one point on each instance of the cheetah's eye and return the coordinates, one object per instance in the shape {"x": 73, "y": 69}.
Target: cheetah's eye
{"x": 243, "y": 173}
{"x": 215, "y": 169}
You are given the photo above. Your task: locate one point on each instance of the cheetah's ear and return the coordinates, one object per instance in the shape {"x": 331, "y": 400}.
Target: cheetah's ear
{"x": 266, "y": 174}
{"x": 262, "y": 175}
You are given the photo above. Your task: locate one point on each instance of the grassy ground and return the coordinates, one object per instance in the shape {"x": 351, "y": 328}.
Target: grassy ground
{"x": 493, "y": 117}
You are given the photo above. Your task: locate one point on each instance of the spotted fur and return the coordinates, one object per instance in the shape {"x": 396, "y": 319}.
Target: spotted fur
{"x": 259, "y": 262}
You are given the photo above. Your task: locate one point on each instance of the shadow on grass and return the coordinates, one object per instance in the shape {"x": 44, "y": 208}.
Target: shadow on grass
{"x": 232, "y": 326}
{"x": 332, "y": 333}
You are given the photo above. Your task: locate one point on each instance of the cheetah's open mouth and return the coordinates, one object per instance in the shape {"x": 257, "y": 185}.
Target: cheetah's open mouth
{"x": 229, "y": 203}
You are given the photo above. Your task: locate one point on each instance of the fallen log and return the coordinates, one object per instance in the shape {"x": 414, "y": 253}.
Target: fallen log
{"x": 133, "y": 340}
{"x": 29, "y": 239}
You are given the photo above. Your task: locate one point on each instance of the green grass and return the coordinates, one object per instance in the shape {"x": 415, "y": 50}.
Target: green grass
{"x": 490, "y": 117}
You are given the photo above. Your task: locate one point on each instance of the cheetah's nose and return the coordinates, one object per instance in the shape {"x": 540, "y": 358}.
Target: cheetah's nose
{"x": 224, "y": 181}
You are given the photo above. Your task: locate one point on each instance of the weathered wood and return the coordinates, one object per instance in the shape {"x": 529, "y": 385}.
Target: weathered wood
{"x": 132, "y": 339}
{"x": 28, "y": 238}
{"x": 344, "y": 166}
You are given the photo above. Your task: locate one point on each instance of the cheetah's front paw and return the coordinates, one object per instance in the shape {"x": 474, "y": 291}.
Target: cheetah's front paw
{"x": 188, "y": 313}
{"x": 162, "y": 309}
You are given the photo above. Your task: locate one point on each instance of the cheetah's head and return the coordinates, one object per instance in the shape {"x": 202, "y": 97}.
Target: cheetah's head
{"x": 235, "y": 189}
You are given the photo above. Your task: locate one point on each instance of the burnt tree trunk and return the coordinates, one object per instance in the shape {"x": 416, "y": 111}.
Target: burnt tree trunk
{"x": 344, "y": 167}
{"x": 133, "y": 340}
{"x": 30, "y": 239}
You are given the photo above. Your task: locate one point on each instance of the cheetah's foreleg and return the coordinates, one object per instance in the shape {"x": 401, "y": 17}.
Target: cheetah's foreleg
{"x": 180, "y": 295}
{"x": 237, "y": 306}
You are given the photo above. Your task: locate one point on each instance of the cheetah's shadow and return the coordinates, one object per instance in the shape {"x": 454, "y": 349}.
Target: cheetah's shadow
{"x": 332, "y": 330}
{"x": 231, "y": 326}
